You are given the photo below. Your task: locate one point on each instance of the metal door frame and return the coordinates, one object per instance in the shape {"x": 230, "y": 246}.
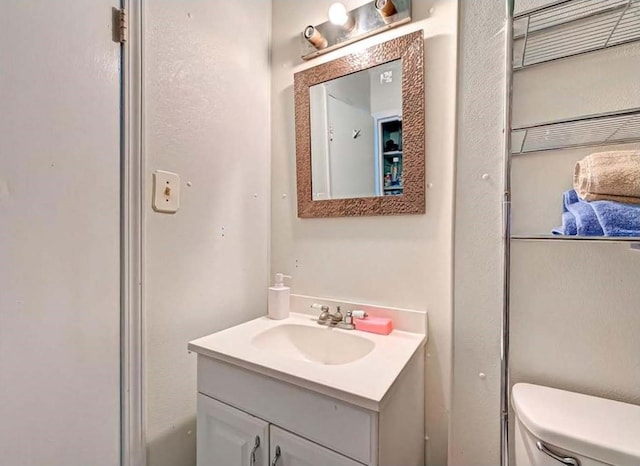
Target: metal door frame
{"x": 132, "y": 390}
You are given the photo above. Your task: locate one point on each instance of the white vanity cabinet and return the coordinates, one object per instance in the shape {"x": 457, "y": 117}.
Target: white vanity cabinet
{"x": 307, "y": 425}
{"x": 228, "y": 436}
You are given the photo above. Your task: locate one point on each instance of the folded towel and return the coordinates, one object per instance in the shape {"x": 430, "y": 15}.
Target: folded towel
{"x": 586, "y": 221}
{"x": 598, "y": 218}
{"x": 617, "y": 219}
{"x": 568, "y": 198}
{"x": 569, "y": 227}
{"x": 613, "y": 176}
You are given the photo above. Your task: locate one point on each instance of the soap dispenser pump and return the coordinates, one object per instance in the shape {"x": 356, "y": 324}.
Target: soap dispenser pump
{"x": 279, "y": 298}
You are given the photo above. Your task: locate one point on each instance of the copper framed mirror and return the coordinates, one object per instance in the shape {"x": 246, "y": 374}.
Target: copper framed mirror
{"x": 360, "y": 132}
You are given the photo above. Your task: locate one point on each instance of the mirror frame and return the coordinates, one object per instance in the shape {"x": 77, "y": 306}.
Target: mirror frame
{"x": 409, "y": 48}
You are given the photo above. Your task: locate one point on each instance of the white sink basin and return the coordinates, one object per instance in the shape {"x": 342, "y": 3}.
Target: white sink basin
{"x": 322, "y": 345}
{"x": 356, "y": 367}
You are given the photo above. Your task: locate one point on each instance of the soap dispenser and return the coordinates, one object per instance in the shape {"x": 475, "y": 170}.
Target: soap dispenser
{"x": 279, "y": 298}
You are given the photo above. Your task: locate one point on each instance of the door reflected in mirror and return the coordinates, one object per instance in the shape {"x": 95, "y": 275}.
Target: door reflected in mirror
{"x": 356, "y": 134}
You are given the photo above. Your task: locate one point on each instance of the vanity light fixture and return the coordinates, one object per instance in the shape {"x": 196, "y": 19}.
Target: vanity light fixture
{"x": 347, "y": 26}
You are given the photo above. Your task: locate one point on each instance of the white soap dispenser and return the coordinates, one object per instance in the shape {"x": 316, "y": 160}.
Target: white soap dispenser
{"x": 279, "y": 298}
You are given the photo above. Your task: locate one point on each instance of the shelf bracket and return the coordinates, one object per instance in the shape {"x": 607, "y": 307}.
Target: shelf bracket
{"x": 606, "y": 44}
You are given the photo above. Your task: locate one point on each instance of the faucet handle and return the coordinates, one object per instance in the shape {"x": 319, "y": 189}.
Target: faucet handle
{"x": 359, "y": 314}
{"x": 337, "y": 316}
{"x": 322, "y": 307}
{"x": 324, "y": 316}
{"x": 354, "y": 314}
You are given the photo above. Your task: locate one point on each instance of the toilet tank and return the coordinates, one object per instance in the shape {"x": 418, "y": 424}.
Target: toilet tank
{"x": 577, "y": 429}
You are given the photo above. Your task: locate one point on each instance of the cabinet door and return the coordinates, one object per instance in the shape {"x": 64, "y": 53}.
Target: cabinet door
{"x": 229, "y": 437}
{"x": 287, "y": 449}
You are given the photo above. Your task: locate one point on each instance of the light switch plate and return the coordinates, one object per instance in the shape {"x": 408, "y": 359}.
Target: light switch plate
{"x": 166, "y": 191}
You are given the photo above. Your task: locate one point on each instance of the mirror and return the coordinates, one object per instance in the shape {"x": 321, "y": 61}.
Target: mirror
{"x": 356, "y": 134}
{"x": 360, "y": 132}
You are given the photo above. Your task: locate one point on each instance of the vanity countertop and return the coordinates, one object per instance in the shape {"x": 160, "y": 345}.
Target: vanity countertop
{"x": 363, "y": 382}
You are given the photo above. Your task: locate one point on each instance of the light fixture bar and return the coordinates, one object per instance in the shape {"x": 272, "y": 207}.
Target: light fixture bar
{"x": 362, "y": 22}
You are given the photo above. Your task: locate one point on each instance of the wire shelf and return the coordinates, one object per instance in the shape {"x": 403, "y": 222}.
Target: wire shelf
{"x": 572, "y": 27}
{"x": 593, "y": 130}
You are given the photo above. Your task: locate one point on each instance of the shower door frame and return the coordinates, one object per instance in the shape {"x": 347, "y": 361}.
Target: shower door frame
{"x": 133, "y": 428}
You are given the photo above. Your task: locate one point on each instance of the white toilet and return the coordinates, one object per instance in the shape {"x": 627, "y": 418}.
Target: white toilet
{"x": 556, "y": 427}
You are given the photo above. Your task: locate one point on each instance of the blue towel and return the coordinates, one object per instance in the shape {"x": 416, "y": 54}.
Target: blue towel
{"x": 617, "y": 219}
{"x": 568, "y": 227}
{"x": 587, "y": 223}
{"x": 597, "y": 218}
{"x": 569, "y": 197}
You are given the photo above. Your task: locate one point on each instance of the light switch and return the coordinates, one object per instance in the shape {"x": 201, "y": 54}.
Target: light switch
{"x": 166, "y": 191}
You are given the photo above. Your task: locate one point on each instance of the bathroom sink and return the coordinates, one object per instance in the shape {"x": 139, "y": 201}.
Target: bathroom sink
{"x": 354, "y": 366}
{"x": 322, "y": 345}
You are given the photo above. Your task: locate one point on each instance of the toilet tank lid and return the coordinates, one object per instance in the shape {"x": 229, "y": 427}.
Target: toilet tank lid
{"x": 605, "y": 430}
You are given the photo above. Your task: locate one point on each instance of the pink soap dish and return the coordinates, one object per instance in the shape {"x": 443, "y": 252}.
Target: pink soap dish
{"x": 381, "y": 325}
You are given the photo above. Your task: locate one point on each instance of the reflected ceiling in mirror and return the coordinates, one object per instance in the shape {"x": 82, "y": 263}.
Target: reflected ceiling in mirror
{"x": 360, "y": 132}
{"x": 356, "y": 134}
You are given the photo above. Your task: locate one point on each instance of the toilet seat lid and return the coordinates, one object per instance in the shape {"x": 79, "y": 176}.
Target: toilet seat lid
{"x": 601, "y": 429}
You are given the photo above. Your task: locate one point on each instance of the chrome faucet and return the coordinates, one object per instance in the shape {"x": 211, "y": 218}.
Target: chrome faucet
{"x": 326, "y": 317}
{"x": 336, "y": 319}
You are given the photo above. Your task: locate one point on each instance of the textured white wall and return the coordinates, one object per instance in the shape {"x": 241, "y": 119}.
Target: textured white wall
{"x": 207, "y": 118}
{"x": 402, "y": 261}
{"x": 474, "y": 437}
{"x": 575, "y": 320}
{"x": 59, "y": 234}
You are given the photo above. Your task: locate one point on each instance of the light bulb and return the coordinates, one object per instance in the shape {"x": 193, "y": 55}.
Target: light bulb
{"x": 314, "y": 37}
{"x": 386, "y": 8}
{"x": 338, "y": 14}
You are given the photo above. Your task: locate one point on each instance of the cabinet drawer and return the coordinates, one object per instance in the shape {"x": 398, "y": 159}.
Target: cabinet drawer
{"x": 332, "y": 423}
